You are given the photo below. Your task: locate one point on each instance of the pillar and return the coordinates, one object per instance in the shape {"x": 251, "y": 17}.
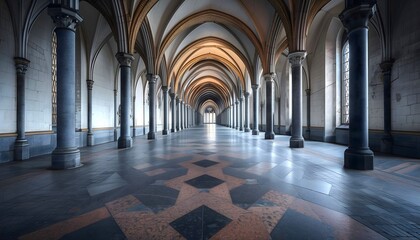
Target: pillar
{"x": 255, "y": 130}
{"x": 237, "y": 114}
{"x": 233, "y": 116}
{"x": 21, "y": 148}
{"x": 134, "y": 117}
{"x": 151, "y": 79}
{"x": 246, "y": 98}
{"x": 115, "y": 115}
{"x": 269, "y": 107}
{"x": 90, "y": 138}
{"x": 387, "y": 140}
{"x": 296, "y": 59}
{"x": 308, "y": 113}
{"x": 185, "y": 115}
{"x": 172, "y": 95}
{"x": 178, "y": 116}
{"x": 66, "y": 155}
{"x": 181, "y": 111}
{"x": 125, "y": 60}
{"x": 355, "y": 19}
{"x": 241, "y": 123}
{"x": 165, "y": 110}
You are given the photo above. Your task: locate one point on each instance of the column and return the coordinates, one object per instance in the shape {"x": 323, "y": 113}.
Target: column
{"x": 181, "y": 106}
{"x": 185, "y": 115}
{"x": 295, "y": 59}
{"x": 387, "y": 140}
{"x": 172, "y": 111}
{"x": 355, "y": 19}
{"x": 115, "y": 115}
{"x": 308, "y": 113}
{"x": 237, "y": 115}
{"x": 90, "y": 138}
{"x": 125, "y": 60}
{"x": 255, "y": 130}
{"x": 21, "y": 148}
{"x": 66, "y": 155}
{"x": 178, "y": 116}
{"x": 246, "y": 95}
{"x": 151, "y": 79}
{"x": 134, "y": 116}
{"x": 165, "y": 110}
{"x": 233, "y": 116}
{"x": 269, "y": 107}
{"x": 241, "y": 123}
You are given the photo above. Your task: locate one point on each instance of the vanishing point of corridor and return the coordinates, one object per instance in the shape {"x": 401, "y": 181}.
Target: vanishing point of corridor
{"x": 210, "y": 182}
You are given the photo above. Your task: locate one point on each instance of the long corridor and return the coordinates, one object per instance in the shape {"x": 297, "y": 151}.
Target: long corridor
{"x": 211, "y": 182}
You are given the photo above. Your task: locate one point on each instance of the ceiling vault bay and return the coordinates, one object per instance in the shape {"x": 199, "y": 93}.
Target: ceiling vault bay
{"x": 209, "y": 52}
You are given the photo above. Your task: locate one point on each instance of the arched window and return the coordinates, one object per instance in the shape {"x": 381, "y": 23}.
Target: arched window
{"x": 345, "y": 93}
{"x": 54, "y": 79}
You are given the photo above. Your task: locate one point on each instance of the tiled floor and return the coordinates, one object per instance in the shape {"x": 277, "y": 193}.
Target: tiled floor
{"x": 211, "y": 183}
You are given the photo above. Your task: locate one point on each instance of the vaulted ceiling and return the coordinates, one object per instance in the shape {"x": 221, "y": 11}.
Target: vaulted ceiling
{"x": 209, "y": 51}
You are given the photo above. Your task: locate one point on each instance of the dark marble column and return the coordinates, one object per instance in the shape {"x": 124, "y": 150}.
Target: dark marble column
{"x": 387, "y": 140}
{"x": 134, "y": 117}
{"x": 173, "y": 112}
{"x": 90, "y": 138}
{"x": 165, "y": 110}
{"x": 233, "y": 116}
{"x": 181, "y": 111}
{"x": 296, "y": 58}
{"x": 241, "y": 123}
{"x": 269, "y": 107}
{"x": 21, "y": 148}
{"x": 115, "y": 115}
{"x": 308, "y": 113}
{"x": 151, "y": 79}
{"x": 237, "y": 114}
{"x": 178, "y": 114}
{"x": 185, "y": 116}
{"x": 66, "y": 155}
{"x": 246, "y": 95}
{"x": 255, "y": 101}
{"x": 125, "y": 60}
{"x": 355, "y": 19}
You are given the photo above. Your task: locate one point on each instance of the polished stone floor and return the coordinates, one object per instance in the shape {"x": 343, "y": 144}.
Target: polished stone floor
{"x": 211, "y": 182}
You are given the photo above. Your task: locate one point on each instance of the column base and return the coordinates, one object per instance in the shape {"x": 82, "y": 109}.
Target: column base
{"x": 296, "y": 143}
{"x": 151, "y": 135}
{"x": 269, "y": 135}
{"x": 21, "y": 150}
{"x": 172, "y": 130}
{"x": 134, "y": 132}
{"x": 359, "y": 159}
{"x": 164, "y": 132}
{"x": 66, "y": 158}
{"x": 115, "y": 135}
{"x": 125, "y": 142}
{"x": 255, "y": 132}
{"x": 241, "y": 129}
{"x": 177, "y": 129}
{"x": 90, "y": 139}
{"x": 386, "y": 144}
{"x": 247, "y": 130}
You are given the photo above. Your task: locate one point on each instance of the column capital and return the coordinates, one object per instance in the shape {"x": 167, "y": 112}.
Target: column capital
{"x": 152, "y": 78}
{"x": 165, "y": 88}
{"x": 236, "y": 102}
{"x": 269, "y": 76}
{"x": 21, "y": 65}
{"x": 241, "y": 99}
{"x": 246, "y": 94}
{"x": 115, "y": 92}
{"x": 357, "y": 16}
{"x": 177, "y": 98}
{"x": 386, "y": 66}
{"x": 90, "y": 84}
{"x": 64, "y": 17}
{"x": 172, "y": 95}
{"x": 296, "y": 58}
{"x": 255, "y": 86}
{"x": 125, "y": 59}
{"x": 308, "y": 91}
